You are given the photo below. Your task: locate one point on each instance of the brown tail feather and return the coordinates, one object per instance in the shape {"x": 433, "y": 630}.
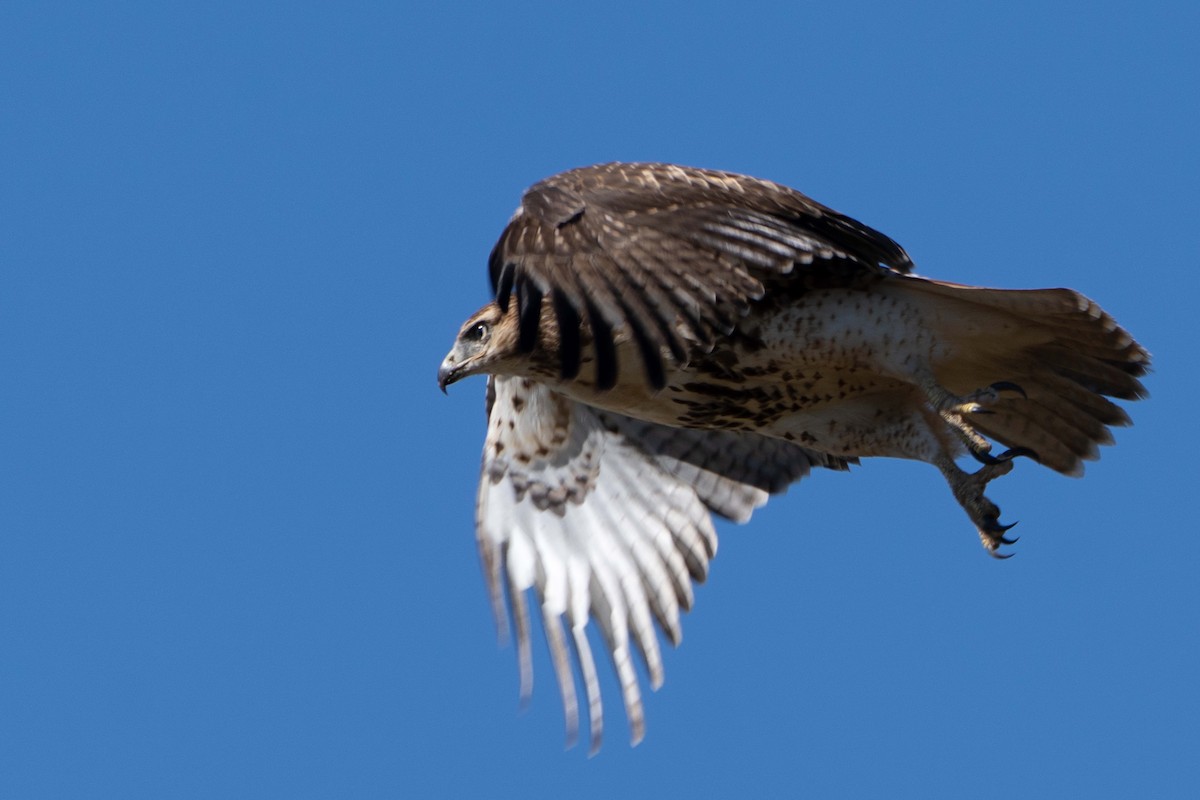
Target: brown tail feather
{"x": 1059, "y": 346}
{"x": 1095, "y": 405}
{"x": 1061, "y": 442}
{"x": 1026, "y": 430}
{"x": 1097, "y": 375}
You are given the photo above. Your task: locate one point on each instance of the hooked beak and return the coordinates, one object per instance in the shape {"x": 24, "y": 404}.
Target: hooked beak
{"x": 447, "y": 374}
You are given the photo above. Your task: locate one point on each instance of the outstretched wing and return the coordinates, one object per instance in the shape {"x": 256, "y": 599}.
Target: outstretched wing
{"x": 674, "y": 254}
{"x": 608, "y": 518}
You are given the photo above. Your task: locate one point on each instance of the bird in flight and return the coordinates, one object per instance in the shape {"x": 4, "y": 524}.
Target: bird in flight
{"x": 666, "y": 343}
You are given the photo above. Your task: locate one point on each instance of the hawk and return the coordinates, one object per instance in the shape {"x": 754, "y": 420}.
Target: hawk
{"x": 667, "y": 343}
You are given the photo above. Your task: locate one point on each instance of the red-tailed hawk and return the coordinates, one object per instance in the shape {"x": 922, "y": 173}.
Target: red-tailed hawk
{"x": 667, "y": 343}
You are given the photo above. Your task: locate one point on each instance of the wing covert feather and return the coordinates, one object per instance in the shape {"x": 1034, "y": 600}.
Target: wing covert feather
{"x": 634, "y": 246}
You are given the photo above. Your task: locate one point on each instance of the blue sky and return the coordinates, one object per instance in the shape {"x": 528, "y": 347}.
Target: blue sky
{"x": 236, "y": 516}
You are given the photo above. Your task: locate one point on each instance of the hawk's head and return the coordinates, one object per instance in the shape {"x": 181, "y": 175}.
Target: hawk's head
{"x": 486, "y": 343}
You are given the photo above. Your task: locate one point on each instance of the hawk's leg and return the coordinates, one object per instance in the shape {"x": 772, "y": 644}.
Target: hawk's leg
{"x": 953, "y": 409}
{"x": 901, "y": 423}
{"x": 968, "y": 491}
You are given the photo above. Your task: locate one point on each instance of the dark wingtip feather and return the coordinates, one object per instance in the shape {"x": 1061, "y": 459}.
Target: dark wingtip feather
{"x": 502, "y": 283}
{"x": 606, "y": 350}
{"x": 495, "y": 264}
{"x": 570, "y": 350}
{"x": 529, "y": 308}
{"x": 656, "y": 375}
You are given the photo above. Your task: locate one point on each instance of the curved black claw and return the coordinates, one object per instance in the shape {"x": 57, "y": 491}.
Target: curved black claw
{"x": 1013, "y": 452}
{"x": 996, "y": 541}
{"x": 994, "y": 526}
{"x": 984, "y": 457}
{"x": 1001, "y": 386}
{"x": 995, "y": 532}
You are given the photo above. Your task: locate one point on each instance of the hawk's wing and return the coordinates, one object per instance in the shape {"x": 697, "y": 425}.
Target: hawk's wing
{"x": 671, "y": 253}
{"x": 609, "y": 518}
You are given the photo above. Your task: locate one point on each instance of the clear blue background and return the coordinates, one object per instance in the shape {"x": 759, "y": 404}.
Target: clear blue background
{"x": 237, "y": 553}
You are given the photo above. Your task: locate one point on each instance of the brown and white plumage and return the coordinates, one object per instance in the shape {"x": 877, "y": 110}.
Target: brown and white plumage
{"x": 670, "y": 254}
{"x": 668, "y": 342}
{"x": 608, "y": 517}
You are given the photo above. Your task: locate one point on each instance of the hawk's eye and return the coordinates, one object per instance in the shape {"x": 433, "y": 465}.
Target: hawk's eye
{"x": 478, "y": 332}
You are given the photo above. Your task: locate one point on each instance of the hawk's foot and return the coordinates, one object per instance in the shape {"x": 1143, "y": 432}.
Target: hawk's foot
{"x": 953, "y": 410}
{"x": 968, "y": 490}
